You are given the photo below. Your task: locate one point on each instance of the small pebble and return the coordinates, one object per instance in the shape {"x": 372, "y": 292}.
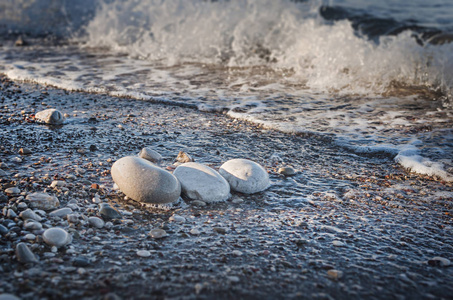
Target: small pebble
{"x": 177, "y": 219}
{"x": 30, "y": 214}
{"x": 80, "y": 262}
{"x": 24, "y": 254}
{"x": 24, "y": 151}
{"x": 157, "y": 233}
{"x": 150, "y": 154}
{"x": 334, "y": 274}
{"x": 11, "y": 214}
{"x": 195, "y": 231}
{"x": 12, "y": 190}
{"x": 96, "y": 222}
{"x": 31, "y": 224}
{"x": 58, "y": 183}
{"x": 16, "y": 160}
{"x": 143, "y": 253}
{"x": 287, "y": 171}
{"x": 43, "y": 201}
{"x": 56, "y": 237}
{"x": 30, "y": 237}
{"x": 237, "y": 200}
{"x": 198, "y": 203}
{"x": 338, "y": 244}
{"x": 50, "y": 116}
{"x": 61, "y": 213}
{"x": 108, "y": 213}
{"x": 73, "y": 218}
{"x": 220, "y": 230}
{"x": 3, "y": 230}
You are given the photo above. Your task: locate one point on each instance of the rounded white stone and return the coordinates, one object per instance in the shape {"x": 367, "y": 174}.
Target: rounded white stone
{"x": 56, "y": 237}
{"x": 50, "y": 116}
{"x": 245, "y": 176}
{"x": 143, "y": 253}
{"x": 142, "y": 181}
{"x": 200, "y": 182}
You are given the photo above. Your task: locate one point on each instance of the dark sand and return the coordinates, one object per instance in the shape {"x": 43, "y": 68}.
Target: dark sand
{"x": 364, "y": 216}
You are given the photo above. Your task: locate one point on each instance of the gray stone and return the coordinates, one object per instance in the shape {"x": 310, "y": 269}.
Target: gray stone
{"x": 200, "y": 182}
{"x": 150, "y": 154}
{"x": 61, "y": 213}
{"x": 12, "y": 190}
{"x": 73, "y": 218}
{"x": 3, "y": 173}
{"x": 30, "y": 237}
{"x": 198, "y": 203}
{"x": 24, "y": 254}
{"x": 22, "y": 205}
{"x": 11, "y": 214}
{"x": 57, "y": 237}
{"x": 43, "y": 201}
{"x": 157, "y": 233}
{"x": 177, "y": 219}
{"x": 96, "y": 222}
{"x": 24, "y": 151}
{"x": 3, "y": 230}
{"x": 50, "y": 116}
{"x": 245, "y": 176}
{"x": 81, "y": 262}
{"x": 31, "y": 224}
{"x": 287, "y": 171}
{"x": 8, "y": 297}
{"x": 108, "y": 213}
{"x": 58, "y": 183}
{"x": 142, "y": 181}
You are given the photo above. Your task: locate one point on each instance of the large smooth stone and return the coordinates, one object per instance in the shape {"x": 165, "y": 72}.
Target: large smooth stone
{"x": 56, "y": 237}
{"x": 200, "y": 182}
{"x": 50, "y": 116}
{"x": 245, "y": 176}
{"x": 142, "y": 181}
{"x": 43, "y": 201}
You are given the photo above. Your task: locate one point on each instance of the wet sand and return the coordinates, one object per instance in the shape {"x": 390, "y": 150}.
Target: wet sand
{"x": 346, "y": 226}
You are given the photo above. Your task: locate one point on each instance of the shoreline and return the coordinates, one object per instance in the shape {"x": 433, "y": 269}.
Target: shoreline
{"x": 346, "y": 226}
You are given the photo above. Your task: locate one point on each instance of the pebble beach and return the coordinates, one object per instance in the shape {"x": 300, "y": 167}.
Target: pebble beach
{"x": 333, "y": 224}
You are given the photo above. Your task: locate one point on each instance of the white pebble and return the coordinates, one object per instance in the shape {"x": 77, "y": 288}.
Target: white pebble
{"x": 143, "y": 253}
{"x": 177, "y": 219}
{"x": 157, "y": 233}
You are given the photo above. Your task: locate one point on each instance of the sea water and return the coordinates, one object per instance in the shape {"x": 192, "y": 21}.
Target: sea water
{"x": 376, "y": 78}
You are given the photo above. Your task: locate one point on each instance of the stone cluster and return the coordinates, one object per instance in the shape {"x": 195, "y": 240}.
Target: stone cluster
{"x": 141, "y": 179}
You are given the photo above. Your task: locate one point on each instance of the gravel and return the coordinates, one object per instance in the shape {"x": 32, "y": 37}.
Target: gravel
{"x": 345, "y": 226}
